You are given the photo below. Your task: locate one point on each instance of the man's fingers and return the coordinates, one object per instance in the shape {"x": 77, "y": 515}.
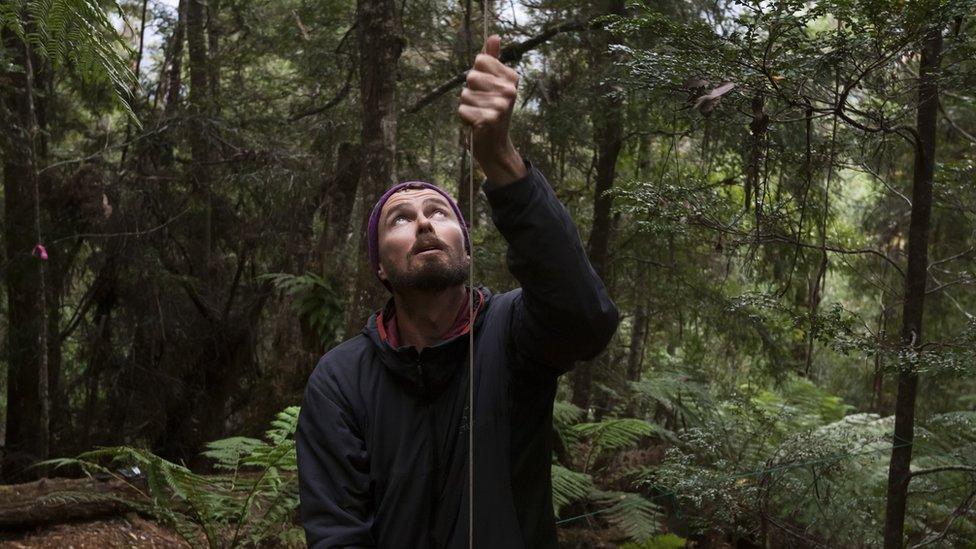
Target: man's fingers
{"x": 493, "y": 46}
{"x": 477, "y": 116}
{"x": 486, "y": 100}
{"x": 480, "y": 81}
{"x": 486, "y": 63}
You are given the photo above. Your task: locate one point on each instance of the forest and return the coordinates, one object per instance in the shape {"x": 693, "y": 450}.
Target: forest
{"x": 777, "y": 194}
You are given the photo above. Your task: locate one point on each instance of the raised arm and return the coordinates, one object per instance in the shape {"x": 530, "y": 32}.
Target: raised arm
{"x": 564, "y": 313}
{"x": 333, "y": 469}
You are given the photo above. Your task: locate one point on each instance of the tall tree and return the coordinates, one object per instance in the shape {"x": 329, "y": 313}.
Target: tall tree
{"x": 608, "y": 138}
{"x": 380, "y": 46}
{"x": 916, "y": 276}
{"x": 201, "y": 109}
{"x": 27, "y": 412}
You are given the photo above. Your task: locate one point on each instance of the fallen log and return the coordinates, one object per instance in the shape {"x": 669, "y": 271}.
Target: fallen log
{"x": 57, "y": 500}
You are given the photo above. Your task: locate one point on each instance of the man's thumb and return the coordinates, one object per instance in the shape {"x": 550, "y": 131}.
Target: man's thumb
{"x": 493, "y": 46}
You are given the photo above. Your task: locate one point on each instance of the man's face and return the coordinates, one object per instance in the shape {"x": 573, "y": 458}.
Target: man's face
{"x": 421, "y": 243}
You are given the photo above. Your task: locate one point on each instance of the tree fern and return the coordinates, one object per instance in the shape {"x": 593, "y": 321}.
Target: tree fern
{"x": 76, "y": 34}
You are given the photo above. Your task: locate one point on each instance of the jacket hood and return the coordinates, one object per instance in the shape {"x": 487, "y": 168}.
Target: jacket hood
{"x": 425, "y": 374}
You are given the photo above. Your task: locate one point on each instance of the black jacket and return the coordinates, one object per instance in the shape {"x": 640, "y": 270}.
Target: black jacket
{"x": 382, "y": 436}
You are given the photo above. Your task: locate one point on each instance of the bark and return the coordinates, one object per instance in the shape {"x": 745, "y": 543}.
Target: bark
{"x": 213, "y": 51}
{"x": 635, "y": 354}
{"x": 899, "y": 471}
{"x": 380, "y": 46}
{"x": 27, "y": 410}
{"x": 608, "y": 136}
{"x": 134, "y": 89}
{"x": 464, "y": 199}
{"x": 200, "y": 111}
{"x": 38, "y": 503}
{"x": 337, "y": 196}
{"x": 176, "y": 61}
{"x": 104, "y": 295}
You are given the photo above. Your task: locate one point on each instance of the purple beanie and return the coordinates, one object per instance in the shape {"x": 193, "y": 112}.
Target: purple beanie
{"x": 372, "y": 228}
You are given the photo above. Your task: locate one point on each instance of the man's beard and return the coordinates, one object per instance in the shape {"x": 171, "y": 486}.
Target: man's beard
{"x": 431, "y": 275}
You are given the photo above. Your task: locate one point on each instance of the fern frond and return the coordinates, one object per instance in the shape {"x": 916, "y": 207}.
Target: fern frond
{"x": 76, "y": 34}
{"x": 634, "y": 514}
{"x": 228, "y": 452}
{"x": 569, "y": 486}
{"x": 615, "y": 434}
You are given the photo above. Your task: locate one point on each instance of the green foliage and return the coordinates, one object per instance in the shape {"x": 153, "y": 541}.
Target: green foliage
{"x": 317, "y": 301}
{"x": 635, "y": 515}
{"x": 593, "y": 442}
{"x": 660, "y": 541}
{"x": 686, "y": 400}
{"x": 251, "y": 502}
{"x": 76, "y": 34}
{"x": 568, "y": 486}
{"x": 611, "y": 435}
{"x": 762, "y": 385}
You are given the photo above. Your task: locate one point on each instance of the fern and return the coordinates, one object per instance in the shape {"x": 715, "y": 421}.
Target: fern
{"x": 661, "y": 541}
{"x": 613, "y": 434}
{"x": 317, "y": 301}
{"x": 252, "y": 502}
{"x": 634, "y": 514}
{"x": 568, "y": 487}
{"x": 76, "y": 34}
{"x": 675, "y": 392}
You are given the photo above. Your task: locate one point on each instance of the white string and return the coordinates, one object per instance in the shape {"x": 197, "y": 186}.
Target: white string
{"x": 471, "y": 199}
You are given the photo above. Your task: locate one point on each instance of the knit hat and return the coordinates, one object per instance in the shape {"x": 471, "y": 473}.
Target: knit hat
{"x": 372, "y": 228}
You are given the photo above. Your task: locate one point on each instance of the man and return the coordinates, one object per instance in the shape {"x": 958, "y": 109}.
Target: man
{"x": 383, "y": 452}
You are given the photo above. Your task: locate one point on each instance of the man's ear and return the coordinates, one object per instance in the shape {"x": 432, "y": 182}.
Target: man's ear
{"x": 381, "y": 273}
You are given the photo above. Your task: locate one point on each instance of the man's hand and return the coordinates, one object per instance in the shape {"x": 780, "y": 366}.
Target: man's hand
{"x": 486, "y": 105}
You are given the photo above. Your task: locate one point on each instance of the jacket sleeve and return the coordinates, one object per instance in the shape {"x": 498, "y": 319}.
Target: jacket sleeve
{"x": 563, "y": 313}
{"x": 333, "y": 469}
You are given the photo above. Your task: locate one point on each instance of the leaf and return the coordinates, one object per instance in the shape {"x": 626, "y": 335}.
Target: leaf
{"x": 568, "y": 486}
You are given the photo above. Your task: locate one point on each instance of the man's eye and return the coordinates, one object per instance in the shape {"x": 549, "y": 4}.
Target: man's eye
{"x": 439, "y": 211}
{"x": 399, "y": 220}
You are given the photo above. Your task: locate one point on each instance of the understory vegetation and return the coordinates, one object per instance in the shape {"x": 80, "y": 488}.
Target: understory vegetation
{"x": 777, "y": 194}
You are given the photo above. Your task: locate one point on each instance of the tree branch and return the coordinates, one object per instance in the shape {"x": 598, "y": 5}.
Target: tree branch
{"x": 954, "y": 468}
{"x": 510, "y": 54}
{"x": 961, "y": 510}
{"x": 336, "y": 99}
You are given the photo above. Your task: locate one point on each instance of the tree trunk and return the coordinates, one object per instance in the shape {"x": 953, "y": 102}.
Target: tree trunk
{"x": 464, "y": 200}
{"x": 56, "y": 501}
{"x": 380, "y": 45}
{"x": 27, "y": 410}
{"x": 175, "y": 77}
{"x": 213, "y": 52}
{"x": 200, "y": 150}
{"x": 608, "y": 136}
{"x": 635, "y": 353}
{"x": 899, "y": 471}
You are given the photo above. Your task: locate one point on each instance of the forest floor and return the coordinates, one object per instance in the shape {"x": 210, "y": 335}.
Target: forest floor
{"x": 133, "y": 531}
{"x": 32, "y": 515}
{"x": 118, "y": 532}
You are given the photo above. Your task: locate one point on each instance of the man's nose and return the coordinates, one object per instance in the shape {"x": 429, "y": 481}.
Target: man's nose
{"x": 423, "y": 224}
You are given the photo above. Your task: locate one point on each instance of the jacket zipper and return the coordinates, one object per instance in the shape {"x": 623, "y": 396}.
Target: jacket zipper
{"x": 432, "y": 482}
